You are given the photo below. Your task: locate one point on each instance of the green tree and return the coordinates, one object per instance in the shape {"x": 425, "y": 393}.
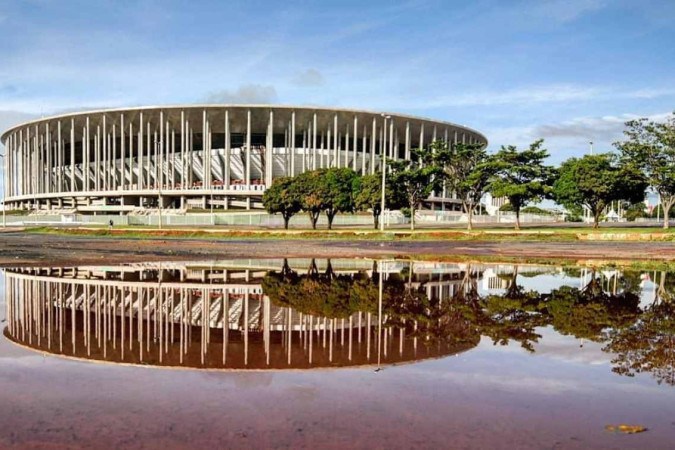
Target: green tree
{"x": 310, "y": 188}
{"x": 595, "y": 181}
{"x": 521, "y": 176}
{"x": 418, "y": 177}
{"x": 651, "y": 146}
{"x": 368, "y": 195}
{"x": 338, "y": 186}
{"x": 282, "y": 198}
{"x": 468, "y": 170}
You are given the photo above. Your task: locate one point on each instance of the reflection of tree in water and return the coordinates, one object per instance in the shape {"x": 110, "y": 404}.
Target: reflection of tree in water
{"x": 514, "y": 315}
{"x": 605, "y": 310}
{"x": 648, "y": 345}
{"x": 590, "y": 311}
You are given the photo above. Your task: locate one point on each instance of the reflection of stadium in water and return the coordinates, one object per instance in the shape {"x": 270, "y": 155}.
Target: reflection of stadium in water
{"x": 216, "y": 315}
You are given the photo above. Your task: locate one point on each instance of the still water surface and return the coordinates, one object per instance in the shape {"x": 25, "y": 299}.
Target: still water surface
{"x": 335, "y": 353}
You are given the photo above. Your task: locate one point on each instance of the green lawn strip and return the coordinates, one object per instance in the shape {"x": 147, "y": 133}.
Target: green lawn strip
{"x": 543, "y": 234}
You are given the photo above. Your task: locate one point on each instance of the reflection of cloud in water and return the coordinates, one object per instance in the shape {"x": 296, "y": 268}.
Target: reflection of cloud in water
{"x": 568, "y": 348}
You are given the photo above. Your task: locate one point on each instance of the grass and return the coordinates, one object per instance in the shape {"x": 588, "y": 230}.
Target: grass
{"x": 494, "y": 234}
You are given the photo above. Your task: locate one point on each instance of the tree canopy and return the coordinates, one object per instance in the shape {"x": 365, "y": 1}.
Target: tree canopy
{"x": 650, "y": 146}
{"x": 594, "y": 181}
{"x": 468, "y": 170}
{"x": 418, "y": 177}
{"x": 282, "y": 197}
{"x": 521, "y": 176}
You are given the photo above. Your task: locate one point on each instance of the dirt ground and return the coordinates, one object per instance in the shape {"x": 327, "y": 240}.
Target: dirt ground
{"x": 18, "y": 248}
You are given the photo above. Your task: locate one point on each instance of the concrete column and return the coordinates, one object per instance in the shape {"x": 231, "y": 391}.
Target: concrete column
{"x": 150, "y": 151}
{"x": 172, "y": 162}
{"x": 421, "y": 145}
{"x": 455, "y": 138}
{"x": 373, "y": 135}
{"x": 407, "y": 141}
{"x": 159, "y": 149}
{"x": 329, "y": 151}
{"x": 59, "y": 150}
{"x": 346, "y": 164}
{"x": 50, "y": 160}
{"x": 364, "y": 142}
{"x": 123, "y": 155}
{"x": 228, "y": 152}
{"x": 433, "y": 139}
{"x": 72, "y": 155}
{"x": 293, "y": 150}
{"x": 269, "y": 157}
{"x": 131, "y": 154}
{"x": 336, "y": 144}
{"x": 114, "y": 183}
{"x": 88, "y": 156}
{"x": 320, "y": 150}
{"x": 209, "y": 144}
{"x": 355, "y": 143}
{"x": 140, "y": 177}
{"x": 314, "y": 141}
{"x": 248, "y": 148}
{"x": 182, "y": 155}
{"x": 463, "y": 138}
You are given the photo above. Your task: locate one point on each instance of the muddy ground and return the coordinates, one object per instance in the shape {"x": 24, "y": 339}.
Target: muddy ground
{"x": 17, "y": 248}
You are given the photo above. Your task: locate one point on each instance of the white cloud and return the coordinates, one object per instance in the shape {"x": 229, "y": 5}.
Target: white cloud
{"x": 249, "y": 93}
{"x": 309, "y": 78}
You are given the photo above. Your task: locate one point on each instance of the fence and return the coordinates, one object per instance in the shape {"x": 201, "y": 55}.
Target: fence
{"x": 264, "y": 220}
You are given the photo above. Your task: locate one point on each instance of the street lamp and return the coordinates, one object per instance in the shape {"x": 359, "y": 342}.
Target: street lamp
{"x": 384, "y": 169}
{"x": 590, "y": 143}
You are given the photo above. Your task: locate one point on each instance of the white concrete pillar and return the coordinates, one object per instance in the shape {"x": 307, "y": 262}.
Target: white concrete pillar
{"x": 336, "y": 144}
{"x": 228, "y": 152}
{"x": 293, "y": 150}
{"x": 314, "y": 142}
{"x": 407, "y": 140}
{"x": 123, "y": 155}
{"x": 347, "y": 142}
{"x": 364, "y": 142}
{"x": 72, "y": 155}
{"x": 269, "y": 161}
{"x": 421, "y": 144}
{"x": 140, "y": 177}
{"x": 88, "y": 156}
{"x": 373, "y": 135}
{"x": 355, "y": 143}
{"x": 248, "y": 148}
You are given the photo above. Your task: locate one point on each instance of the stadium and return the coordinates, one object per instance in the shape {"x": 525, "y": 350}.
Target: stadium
{"x": 177, "y": 158}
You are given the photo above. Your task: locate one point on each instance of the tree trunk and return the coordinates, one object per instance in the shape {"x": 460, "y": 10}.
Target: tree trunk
{"x": 412, "y": 217}
{"x": 666, "y": 218}
{"x": 469, "y": 214}
{"x": 666, "y": 205}
{"x": 596, "y": 220}
{"x": 330, "y": 217}
{"x": 313, "y": 218}
{"x": 517, "y": 218}
{"x": 376, "y": 220}
{"x": 286, "y": 220}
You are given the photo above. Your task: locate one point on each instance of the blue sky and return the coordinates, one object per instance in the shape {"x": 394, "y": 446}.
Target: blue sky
{"x": 568, "y": 71}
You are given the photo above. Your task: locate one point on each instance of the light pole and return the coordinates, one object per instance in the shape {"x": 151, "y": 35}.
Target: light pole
{"x": 384, "y": 170}
{"x": 590, "y": 143}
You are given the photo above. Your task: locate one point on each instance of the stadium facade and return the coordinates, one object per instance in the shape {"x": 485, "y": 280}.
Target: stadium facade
{"x": 199, "y": 156}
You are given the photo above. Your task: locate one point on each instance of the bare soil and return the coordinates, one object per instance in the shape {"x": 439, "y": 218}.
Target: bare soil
{"x": 18, "y": 248}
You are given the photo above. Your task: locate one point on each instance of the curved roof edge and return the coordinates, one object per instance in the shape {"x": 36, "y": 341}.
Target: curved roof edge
{"x": 235, "y": 105}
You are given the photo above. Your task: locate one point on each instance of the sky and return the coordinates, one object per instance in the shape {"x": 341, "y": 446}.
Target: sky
{"x": 567, "y": 71}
